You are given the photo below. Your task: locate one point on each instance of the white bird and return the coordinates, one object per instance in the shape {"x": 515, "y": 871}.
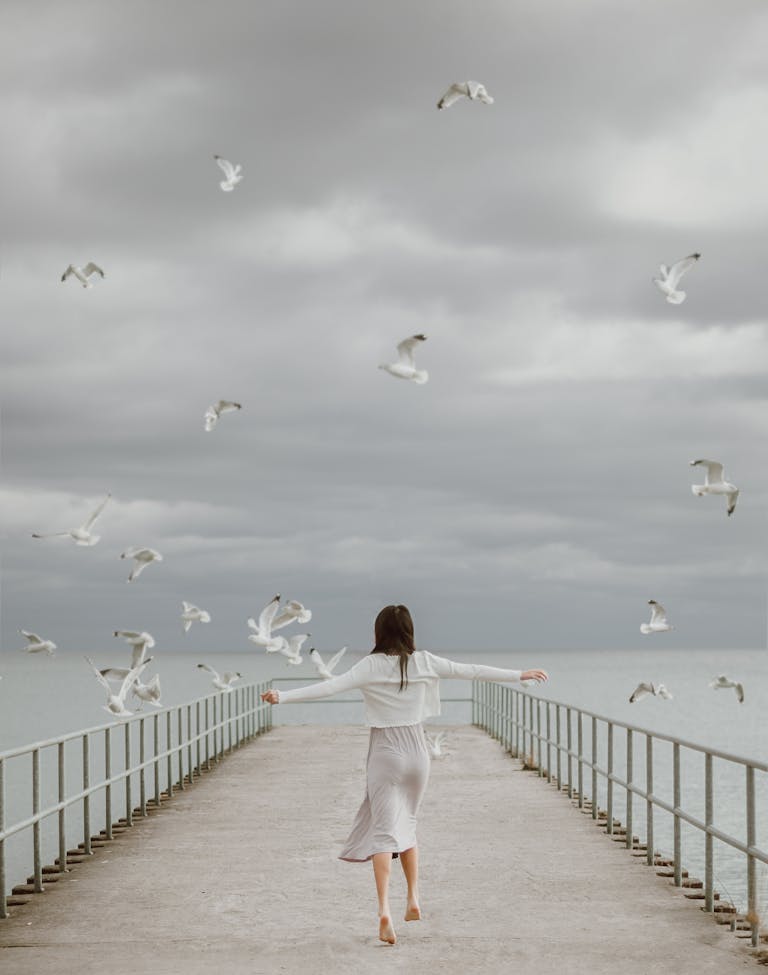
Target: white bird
{"x": 291, "y": 648}
{"x": 715, "y": 483}
{"x": 291, "y": 611}
{"x": 82, "y": 535}
{"x": 139, "y": 644}
{"x": 116, "y": 702}
{"x": 215, "y": 410}
{"x": 435, "y": 744}
{"x": 644, "y": 689}
{"x": 472, "y": 90}
{"x": 83, "y": 273}
{"x": 142, "y": 557}
{"x": 232, "y": 173}
{"x": 148, "y": 692}
{"x": 722, "y": 683}
{"x": 36, "y": 644}
{"x": 262, "y": 635}
{"x": 659, "y": 622}
{"x": 193, "y": 614}
{"x": 405, "y": 367}
{"x": 670, "y": 278}
{"x": 326, "y": 669}
{"x": 224, "y": 681}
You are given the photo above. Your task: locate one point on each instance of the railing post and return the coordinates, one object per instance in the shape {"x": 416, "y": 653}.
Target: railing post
{"x": 87, "y": 798}
{"x": 709, "y": 872}
{"x": 198, "y": 743}
{"x": 62, "y": 812}
{"x": 215, "y": 702}
{"x": 595, "y": 803}
{"x": 38, "y": 866}
{"x": 169, "y": 753}
{"x": 559, "y": 749}
{"x": 128, "y": 790}
{"x": 142, "y": 777}
{"x": 207, "y": 735}
{"x": 62, "y": 866}
{"x": 549, "y": 743}
{"x": 751, "y": 863}
{"x": 609, "y": 782}
{"x": 628, "y": 838}
{"x": 180, "y": 747}
{"x": 108, "y": 778}
{"x": 677, "y": 854}
{"x": 518, "y": 698}
{"x": 569, "y": 742}
{"x": 156, "y": 747}
{"x": 580, "y": 741}
{"x": 189, "y": 743}
{"x": 229, "y": 721}
{"x": 649, "y": 800}
{"x": 538, "y": 737}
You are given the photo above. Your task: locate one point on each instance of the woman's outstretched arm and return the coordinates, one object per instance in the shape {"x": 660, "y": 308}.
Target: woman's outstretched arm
{"x": 354, "y": 677}
{"x": 459, "y": 671}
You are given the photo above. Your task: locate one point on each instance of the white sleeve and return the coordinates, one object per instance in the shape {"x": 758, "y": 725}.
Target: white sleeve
{"x": 356, "y": 676}
{"x": 452, "y": 669}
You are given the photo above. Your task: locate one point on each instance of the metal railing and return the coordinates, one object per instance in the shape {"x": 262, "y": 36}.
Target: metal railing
{"x": 542, "y": 733}
{"x": 185, "y": 740}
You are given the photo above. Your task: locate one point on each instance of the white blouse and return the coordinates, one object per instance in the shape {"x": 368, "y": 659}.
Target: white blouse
{"x": 378, "y": 677}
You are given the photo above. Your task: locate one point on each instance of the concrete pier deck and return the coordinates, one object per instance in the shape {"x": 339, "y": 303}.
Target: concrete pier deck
{"x": 238, "y": 874}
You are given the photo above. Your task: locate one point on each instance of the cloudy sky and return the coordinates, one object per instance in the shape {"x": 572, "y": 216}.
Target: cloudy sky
{"x": 536, "y": 492}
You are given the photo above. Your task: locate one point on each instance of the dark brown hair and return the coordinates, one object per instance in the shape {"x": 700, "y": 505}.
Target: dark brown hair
{"x": 393, "y": 631}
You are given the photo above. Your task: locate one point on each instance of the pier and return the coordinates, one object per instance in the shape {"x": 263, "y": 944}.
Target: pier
{"x": 238, "y": 870}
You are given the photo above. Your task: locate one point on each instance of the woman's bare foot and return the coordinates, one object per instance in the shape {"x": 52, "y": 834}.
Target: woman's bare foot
{"x": 386, "y": 931}
{"x": 413, "y": 912}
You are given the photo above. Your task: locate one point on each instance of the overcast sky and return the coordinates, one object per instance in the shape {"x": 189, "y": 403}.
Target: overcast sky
{"x": 536, "y": 492}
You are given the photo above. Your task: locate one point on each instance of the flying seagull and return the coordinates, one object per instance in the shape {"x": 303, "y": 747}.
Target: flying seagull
{"x": 659, "y": 622}
{"x": 262, "y": 631}
{"x": 36, "y": 644}
{"x": 291, "y": 647}
{"x": 215, "y": 410}
{"x": 232, "y": 173}
{"x": 722, "y": 683}
{"x": 644, "y": 689}
{"x": 193, "y": 614}
{"x": 82, "y": 535}
{"x": 142, "y": 557}
{"x": 405, "y": 367}
{"x": 472, "y": 90}
{"x": 139, "y": 644}
{"x": 148, "y": 692}
{"x": 715, "y": 483}
{"x": 670, "y": 278}
{"x": 292, "y": 611}
{"x": 224, "y": 681}
{"x": 326, "y": 669}
{"x": 116, "y": 702}
{"x": 83, "y": 273}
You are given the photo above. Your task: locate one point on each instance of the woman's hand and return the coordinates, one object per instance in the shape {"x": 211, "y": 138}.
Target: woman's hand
{"x": 538, "y": 675}
{"x": 271, "y": 696}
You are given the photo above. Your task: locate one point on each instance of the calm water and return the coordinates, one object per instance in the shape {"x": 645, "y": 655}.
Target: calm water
{"x": 43, "y": 697}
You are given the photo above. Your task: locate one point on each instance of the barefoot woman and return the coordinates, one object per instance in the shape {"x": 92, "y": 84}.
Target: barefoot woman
{"x": 400, "y": 687}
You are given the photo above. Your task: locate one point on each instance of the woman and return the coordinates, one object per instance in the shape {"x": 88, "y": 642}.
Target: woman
{"x": 399, "y": 694}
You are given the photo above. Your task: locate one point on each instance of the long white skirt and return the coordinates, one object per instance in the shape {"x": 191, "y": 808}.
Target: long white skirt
{"x": 397, "y": 773}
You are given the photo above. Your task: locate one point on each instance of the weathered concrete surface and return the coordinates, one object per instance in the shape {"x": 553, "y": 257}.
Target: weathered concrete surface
{"x": 238, "y": 875}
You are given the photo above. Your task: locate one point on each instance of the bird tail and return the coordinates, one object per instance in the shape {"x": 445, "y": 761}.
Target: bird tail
{"x": 676, "y": 297}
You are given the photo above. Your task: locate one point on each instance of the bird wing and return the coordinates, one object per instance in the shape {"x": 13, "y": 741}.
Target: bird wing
{"x": 188, "y": 607}
{"x": 66, "y": 274}
{"x": 267, "y": 615}
{"x": 642, "y": 690}
{"x": 210, "y": 417}
{"x": 658, "y": 613}
{"x": 99, "y": 676}
{"x": 209, "y": 670}
{"x": 283, "y": 618}
{"x": 226, "y": 166}
{"x": 114, "y": 673}
{"x": 678, "y": 269}
{"x": 97, "y": 511}
{"x": 455, "y": 92}
{"x": 739, "y": 688}
{"x": 229, "y": 676}
{"x": 31, "y": 637}
{"x": 407, "y": 347}
{"x": 137, "y": 654}
{"x": 91, "y": 268}
{"x": 714, "y": 469}
{"x": 129, "y": 680}
{"x": 227, "y": 406}
{"x": 336, "y": 658}
{"x": 478, "y": 90}
{"x": 662, "y": 691}
{"x": 295, "y": 643}
{"x": 320, "y": 665}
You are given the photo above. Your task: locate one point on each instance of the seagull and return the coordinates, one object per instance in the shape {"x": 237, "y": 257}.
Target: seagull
{"x": 223, "y": 682}
{"x": 116, "y": 702}
{"x": 659, "y": 623}
{"x": 36, "y": 644}
{"x": 83, "y": 273}
{"x": 715, "y": 483}
{"x": 139, "y": 643}
{"x": 472, "y": 90}
{"x": 148, "y": 692}
{"x": 193, "y": 614}
{"x": 291, "y": 647}
{"x": 82, "y": 535}
{"x": 326, "y": 669}
{"x": 233, "y": 174}
{"x": 644, "y": 689}
{"x": 292, "y": 610}
{"x": 435, "y": 745}
{"x": 722, "y": 682}
{"x": 670, "y": 278}
{"x": 215, "y": 410}
{"x": 262, "y": 635}
{"x": 405, "y": 367}
{"x": 142, "y": 557}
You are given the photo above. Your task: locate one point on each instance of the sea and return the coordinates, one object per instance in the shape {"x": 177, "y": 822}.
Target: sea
{"x": 42, "y": 697}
